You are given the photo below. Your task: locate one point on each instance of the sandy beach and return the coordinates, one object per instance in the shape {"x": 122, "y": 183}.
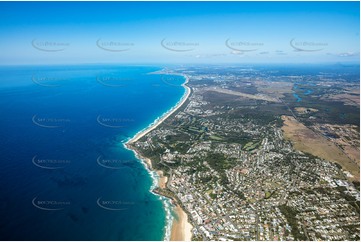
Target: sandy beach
{"x": 181, "y": 228}
{"x": 165, "y": 116}
{"x": 162, "y": 183}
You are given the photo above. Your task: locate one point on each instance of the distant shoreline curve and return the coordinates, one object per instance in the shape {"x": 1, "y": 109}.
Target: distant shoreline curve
{"x": 166, "y": 115}
{"x": 180, "y": 228}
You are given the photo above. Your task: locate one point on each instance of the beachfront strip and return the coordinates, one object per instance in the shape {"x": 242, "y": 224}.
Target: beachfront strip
{"x": 236, "y": 176}
{"x": 181, "y": 228}
{"x": 167, "y": 114}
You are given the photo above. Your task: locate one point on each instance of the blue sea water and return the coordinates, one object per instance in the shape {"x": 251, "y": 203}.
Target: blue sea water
{"x": 65, "y": 174}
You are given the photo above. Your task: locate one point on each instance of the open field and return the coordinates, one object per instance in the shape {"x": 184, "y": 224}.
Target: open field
{"x": 346, "y": 98}
{"x": 345, "y": 136}
{"x": 349, "y": 96}
{"x": 304, "y": 139}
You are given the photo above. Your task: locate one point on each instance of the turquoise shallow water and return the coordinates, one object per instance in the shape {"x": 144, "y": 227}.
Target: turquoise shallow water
{"x": 65, "y": 172}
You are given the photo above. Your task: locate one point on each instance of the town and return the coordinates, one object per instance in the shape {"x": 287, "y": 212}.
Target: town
{"x": 233, "y": 171}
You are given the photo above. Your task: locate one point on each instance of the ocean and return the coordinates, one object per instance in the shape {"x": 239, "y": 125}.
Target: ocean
{"x": 65, "y": 173}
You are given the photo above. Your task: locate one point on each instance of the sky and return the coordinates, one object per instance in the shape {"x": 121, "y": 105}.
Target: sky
{"x": 179, "y": 32}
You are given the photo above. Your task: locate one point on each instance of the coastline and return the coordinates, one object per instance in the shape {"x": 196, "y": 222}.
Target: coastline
{"x": 180, "y": 228}
{"x": 158, "y": 121}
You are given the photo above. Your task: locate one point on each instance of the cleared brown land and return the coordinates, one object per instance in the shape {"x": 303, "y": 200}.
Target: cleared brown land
{"x": 347, "y": 137}
{"x": 304, "y": 139}
{"x": 353, "y": 153}
{"x": 349, "y": 97}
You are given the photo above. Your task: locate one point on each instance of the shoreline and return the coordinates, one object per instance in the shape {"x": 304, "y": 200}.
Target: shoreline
{"x": 180, "y": 228}
{"x": 159, "y": 120}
